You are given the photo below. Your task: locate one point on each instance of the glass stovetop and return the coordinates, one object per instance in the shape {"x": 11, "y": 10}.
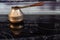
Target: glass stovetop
{"x": 43, "y": 27}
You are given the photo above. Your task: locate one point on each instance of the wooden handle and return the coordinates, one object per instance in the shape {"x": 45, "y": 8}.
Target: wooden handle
{"x": 36, "y": 4}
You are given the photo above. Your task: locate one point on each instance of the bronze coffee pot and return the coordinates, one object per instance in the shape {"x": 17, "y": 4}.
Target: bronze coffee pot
{"x": 16, "y": 14}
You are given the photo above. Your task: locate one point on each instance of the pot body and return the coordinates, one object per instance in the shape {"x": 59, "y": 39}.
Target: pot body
{"x": 15, "y": 15}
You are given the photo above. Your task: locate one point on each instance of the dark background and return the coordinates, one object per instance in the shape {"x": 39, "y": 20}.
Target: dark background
{"x": 25, "y": 0}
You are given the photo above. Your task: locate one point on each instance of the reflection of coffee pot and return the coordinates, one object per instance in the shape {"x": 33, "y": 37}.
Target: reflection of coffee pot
{"x": 16, "y": 18}
{"x": 16, "y": 29}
